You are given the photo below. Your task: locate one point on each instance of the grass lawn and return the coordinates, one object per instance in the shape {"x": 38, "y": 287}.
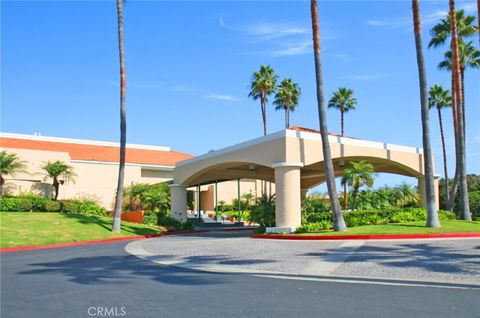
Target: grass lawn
{"x": 450, "y": 226}
{"x": 37, "y": 228}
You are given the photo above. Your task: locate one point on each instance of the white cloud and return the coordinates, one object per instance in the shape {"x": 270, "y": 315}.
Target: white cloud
{"x": 406, "y": 22}
{"x": 300, "y": 48}
{"x": 227, "y": 98}
{"x": 345, "y": 58}
{"x": 268, "y": 30}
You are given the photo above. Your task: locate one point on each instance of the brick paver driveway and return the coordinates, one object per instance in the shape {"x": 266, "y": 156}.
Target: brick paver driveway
{"x": 445, "y": 260}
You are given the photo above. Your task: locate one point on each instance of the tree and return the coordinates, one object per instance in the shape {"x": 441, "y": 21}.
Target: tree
{"x": 461, "y": 155}
{"x": 123, "y": 121}
{"x": 432, "y": 215}
{"x": 263, "y": 84}
{"x": 464, "y": 28}
{"x": 357, "y": 175}
{"x": 469, "y": 58}
{"x": 10, "y": 164}
{"x": 58, "y": 169}
{"x": 440, "y": 98}
{"x": 404, "y": 195}
{"x": 338, "y": 221}
{"x": 287, "y": 97}
{"x": 344, "y": 101}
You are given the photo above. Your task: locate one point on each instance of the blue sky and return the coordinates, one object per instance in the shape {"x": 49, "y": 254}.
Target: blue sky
{"x": 189, "y": 66}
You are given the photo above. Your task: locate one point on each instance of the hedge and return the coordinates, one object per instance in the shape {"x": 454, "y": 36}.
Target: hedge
{"x": 324, "y": 221}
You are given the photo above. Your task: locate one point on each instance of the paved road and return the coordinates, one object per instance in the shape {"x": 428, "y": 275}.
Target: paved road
{"x": 75, "y": 282}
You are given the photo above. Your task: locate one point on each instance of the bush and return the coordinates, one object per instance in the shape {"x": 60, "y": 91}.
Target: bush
{"x": 83, "y": 206}
{"x": 14, "y": 204}
{"x": 150, "y": 219}
{"x": 51, "y": 206}
{"x": 314, "y": 204}
{"x": 260, "y": 230}
{"x": 315, "y": 227}
{"x": 263, "y": 212}
{"x": 172, "y": 224}
{"x": 147, "y": 197}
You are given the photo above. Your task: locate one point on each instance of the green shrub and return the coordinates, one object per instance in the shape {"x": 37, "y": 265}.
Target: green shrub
{"x": 37, "y": 202}
{"x": 150, "y": 219}
{"x": 474, "y": 199}
{"x": 12, "y": 204}
{"x": 260, "y": 230}
{"x": 263, "y": 212}
{"x": 315, "y": 203}
{"x": 51, "y": 206}
{"x": 318, "y": 217}
{"x": 315, "y": 227}
{"x": 174, "y": 225}
{"x": 83, "y": 206}
{"x": 234, "y": 213}
{"x": 147, "y": 197}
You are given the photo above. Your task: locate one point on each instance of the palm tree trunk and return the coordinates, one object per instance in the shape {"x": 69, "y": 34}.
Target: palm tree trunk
{"x": 432, "y": 216}
{"x": 56, "y": 187}
{"x": 339, "y": 222}
{"x": 462, "y": 85}
{"x": 345, "y": 196}
{"x": 354, "y": 198}
{"x": 264, "y": 115}
{"x": 462, "y": 173}
{"x": 341, "y": 120}
{"x": 445, "y": 169}
{"x": 454, "y": 188}
{"x": 2, "y": 182}
{"x": 123, "y": 122}
{"x": 286, "y": 118}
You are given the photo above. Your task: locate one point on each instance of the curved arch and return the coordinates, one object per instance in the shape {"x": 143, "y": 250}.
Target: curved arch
{"x": 313, "y": 174}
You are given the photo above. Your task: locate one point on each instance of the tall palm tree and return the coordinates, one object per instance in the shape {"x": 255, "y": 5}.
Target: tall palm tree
{"x": 263, "y": 84}
{"x": 58, "y": 169}
{"x": 344, "y": 101}
{"x": 461, "y": 155}
{"x": 10, "y": 164}
{"x": 123, "y": 121}
{"x": 440, "y": 33}
{"x": 469, "y": 58}
{"x": 357, "y": 175}
{"x": 339, "y": 222}
{"x": 440, "y": 98}
{"x": 287, "y": 97}
{"x": 432, "y": 215}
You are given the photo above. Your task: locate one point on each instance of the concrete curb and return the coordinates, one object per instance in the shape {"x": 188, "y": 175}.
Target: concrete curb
{"x": 109, "y": 240}
{"x": 366, "y": 237}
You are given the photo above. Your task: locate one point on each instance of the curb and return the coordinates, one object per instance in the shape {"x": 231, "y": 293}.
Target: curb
{"x": 108, "y": 240}
{"x": 365, "y": 237}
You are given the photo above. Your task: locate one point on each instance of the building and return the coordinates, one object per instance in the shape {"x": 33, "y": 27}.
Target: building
{"x": 293, "y": 160}
{"x": 95, "y": 163}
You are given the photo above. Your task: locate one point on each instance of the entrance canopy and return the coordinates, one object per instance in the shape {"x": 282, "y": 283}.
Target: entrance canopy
{"x": 293, "y": 160}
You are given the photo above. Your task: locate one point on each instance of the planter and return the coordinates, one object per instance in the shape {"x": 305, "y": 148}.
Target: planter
{"x": 133, "y": 216}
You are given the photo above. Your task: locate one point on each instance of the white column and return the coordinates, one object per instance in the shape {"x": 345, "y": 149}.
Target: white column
{"x": 436, "y": 188}
{"x": 288, "y": 196}
{"x": 178, "y": 193}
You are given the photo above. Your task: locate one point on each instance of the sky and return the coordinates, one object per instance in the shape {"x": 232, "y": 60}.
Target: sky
{"x": 189, "y": 66}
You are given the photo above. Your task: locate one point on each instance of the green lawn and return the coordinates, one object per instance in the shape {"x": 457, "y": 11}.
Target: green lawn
{"x": 450, "y": 226}
{"x": 37, "y": 228}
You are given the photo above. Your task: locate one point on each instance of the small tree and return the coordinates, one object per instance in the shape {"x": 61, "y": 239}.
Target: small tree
{"x": 10, "y": 164}
{"x": 286, "y": 98}
{"x": 357, "y": 175}
{"x": 263, "y": 212}
{"x": 58, "y": 169}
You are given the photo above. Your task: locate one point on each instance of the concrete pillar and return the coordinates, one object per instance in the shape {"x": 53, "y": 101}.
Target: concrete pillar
{"x": 288, "y": 196}
{"x": 178, "y": 193}
{"x": 423, "y": 193}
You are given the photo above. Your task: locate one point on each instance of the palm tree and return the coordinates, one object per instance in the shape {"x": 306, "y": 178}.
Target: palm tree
{"x": 263, "y": 84}
{"x": 287, "y": 97}
{"x": 432, "y": 215}
{"x": 464, "y": 28}
{"x": 404, "y": 195}
{"x": 344, "y": 101}
{"x": 357, "y": 175}
{"x": 123, "y": 122}
{"x": 461, "y": 156}
{"x": 440, "y": 98}
{"x": 469, "y": 58}
{"x": 338, "y": 221}
{"x": 10, "y": 164}
{"x": 58, "y": 169}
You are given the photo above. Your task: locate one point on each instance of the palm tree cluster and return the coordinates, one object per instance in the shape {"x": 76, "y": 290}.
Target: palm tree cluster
{"x": 401, "y": 196}
{"x": 58, "y": 171}
{"x": 358, "y": 174}
{"x": 462, "y": 55}
{"x": 287, "y": 93}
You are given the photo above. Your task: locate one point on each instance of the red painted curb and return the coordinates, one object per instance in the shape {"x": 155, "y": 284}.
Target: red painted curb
{"x": 364, "y": 237}
{"x": 109, "y": 240}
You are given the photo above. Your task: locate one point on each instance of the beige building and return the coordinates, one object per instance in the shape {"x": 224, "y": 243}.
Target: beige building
{"x": 95, "y": 163}
{"x": 293, "y": 160}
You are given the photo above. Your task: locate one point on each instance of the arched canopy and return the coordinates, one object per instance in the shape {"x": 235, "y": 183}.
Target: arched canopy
{"x": 254, "y": 159}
